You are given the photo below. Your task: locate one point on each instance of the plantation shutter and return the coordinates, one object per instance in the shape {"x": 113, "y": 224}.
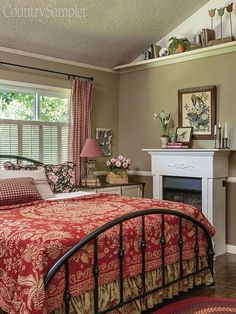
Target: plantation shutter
{"x": 30, "y": 141}
{"x": 64, "y": 143}
{"x": 50, "y": 144}
{"x": 37, "y": 140}
{"x": 9, "y": 138}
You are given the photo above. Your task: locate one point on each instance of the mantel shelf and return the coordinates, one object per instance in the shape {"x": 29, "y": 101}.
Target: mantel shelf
{"x": 179, "y": 57}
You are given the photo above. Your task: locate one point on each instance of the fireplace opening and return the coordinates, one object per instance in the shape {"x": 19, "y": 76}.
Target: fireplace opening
{"x": 183, "y": 189}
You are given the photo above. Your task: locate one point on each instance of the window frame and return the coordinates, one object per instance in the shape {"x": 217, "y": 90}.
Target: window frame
{"x": 37, "y": 91}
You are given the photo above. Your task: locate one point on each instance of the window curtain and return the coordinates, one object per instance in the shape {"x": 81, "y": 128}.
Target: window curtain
{"x": 79, "y": 124}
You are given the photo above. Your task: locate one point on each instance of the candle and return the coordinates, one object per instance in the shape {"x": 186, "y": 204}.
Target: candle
{"x": 219, "y": 125}
{"x": 226, "y": 130}
{"x": 215, "y": 129}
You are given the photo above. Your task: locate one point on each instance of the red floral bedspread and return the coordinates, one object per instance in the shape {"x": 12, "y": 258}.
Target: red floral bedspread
{"x": 34, "y": 236}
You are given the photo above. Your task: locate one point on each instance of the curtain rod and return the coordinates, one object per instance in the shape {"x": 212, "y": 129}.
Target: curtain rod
{"x": 50, "y": 71}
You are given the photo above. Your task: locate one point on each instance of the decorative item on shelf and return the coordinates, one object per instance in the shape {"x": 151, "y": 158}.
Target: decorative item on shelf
{"x": 184, "y": 136}
{"x": 229, "y": 9}
{"x": 207, "y": 35}
{"x": 221, "y": 11}
{"x": 146, "y": 55}
{"x": 215, "y": 136}
{"x": 212, "y": 13}
{"x": 155, "y": 50}
{"x": 178, "y": 45}
{"x": 164, "y": 52}
{"x": 196, "y": 42}
{"x": 221, "y": 136}
{"x": 165, "y": 119}
{"x": 118, "y": 170}
{"x": 91, "y": 150}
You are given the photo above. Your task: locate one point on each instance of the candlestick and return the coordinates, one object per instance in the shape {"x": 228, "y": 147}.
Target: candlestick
{"x": 219, "y": 132}
{"x": 215, "y": 129}
{"x": 215, "y": 138}
{"x": 223, "y": 143}
{"x": 226, "y": 143}
{"x": 226, "y": 130}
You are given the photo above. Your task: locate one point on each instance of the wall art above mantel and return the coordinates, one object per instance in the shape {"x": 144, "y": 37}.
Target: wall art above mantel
{"x": 197, "y": 109}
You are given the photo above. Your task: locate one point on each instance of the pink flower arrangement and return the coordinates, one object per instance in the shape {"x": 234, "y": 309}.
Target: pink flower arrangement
{"x": 119, "y": 163}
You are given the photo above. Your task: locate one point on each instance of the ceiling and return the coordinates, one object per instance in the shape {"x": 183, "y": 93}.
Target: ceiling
{"x": 104, "y": 33}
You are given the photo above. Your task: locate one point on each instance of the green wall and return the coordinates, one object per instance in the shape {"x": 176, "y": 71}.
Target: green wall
{"x": 144, "y": 91}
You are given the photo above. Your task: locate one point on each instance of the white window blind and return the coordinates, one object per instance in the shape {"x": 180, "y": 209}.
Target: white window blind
{"x": 9, "y": 138}
{"x": 36, "y": 140}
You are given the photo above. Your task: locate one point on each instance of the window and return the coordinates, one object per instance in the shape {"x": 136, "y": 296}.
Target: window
{"x": 34, "y": 122}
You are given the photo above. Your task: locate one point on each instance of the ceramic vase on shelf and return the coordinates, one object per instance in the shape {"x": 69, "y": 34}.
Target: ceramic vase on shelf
{"x": 119, "y": 177}
{"x": 164, "y": 141}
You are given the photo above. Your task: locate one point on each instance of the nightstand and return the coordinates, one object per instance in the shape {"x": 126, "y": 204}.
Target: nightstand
{"x": 132, "y": 189}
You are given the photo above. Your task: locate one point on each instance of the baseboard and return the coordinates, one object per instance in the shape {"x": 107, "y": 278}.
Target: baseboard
{"x": 130, "y": 172}
{"x": 231, "y": 179}
{"x": 231, "y": 248}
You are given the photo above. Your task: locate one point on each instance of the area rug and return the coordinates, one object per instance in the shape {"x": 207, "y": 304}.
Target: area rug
{"x": 200, "y": 305}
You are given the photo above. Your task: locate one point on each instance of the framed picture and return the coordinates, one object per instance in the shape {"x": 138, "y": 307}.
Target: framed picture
{"x": 104, "y": 137}
{"x": 184, "y": 135}
{"x": 197, "y": 109}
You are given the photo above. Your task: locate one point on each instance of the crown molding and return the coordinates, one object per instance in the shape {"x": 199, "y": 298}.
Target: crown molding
{"x": 178, "y": 57}
{"x": 54, "y": 59}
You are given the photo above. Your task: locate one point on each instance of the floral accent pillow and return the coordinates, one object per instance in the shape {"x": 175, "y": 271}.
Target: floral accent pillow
{"x": 61, "y": 177}
{"x": 11, "y": 166}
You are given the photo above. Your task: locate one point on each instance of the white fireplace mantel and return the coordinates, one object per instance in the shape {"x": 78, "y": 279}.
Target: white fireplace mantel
{"x": 211, "y": 165}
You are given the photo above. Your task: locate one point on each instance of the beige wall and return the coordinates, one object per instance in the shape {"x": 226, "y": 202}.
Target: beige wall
{"x": 142, "y": 92}
{"x": 105, "y": 102}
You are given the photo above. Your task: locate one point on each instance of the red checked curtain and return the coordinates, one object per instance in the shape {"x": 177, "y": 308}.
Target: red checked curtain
{"x": 80, "y": 123}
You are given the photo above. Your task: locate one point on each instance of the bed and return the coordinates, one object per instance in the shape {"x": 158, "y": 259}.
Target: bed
{"x": 100, "y": 253}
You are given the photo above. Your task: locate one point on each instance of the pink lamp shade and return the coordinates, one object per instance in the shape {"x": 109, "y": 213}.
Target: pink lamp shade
{"x": 91, "y": 148}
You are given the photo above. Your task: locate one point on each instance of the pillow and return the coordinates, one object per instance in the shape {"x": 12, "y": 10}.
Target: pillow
{"x": 11, "y": 166}
{"x": 18, "y": 191}
{"x": 61, "y": 177}
{"x": 39, "y": 178}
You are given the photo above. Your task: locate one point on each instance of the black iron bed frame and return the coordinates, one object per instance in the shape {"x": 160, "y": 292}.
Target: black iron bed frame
{"x": 64, "y": 260}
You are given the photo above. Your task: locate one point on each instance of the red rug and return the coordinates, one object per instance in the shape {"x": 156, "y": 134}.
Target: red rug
{"x": 200, "y": 305}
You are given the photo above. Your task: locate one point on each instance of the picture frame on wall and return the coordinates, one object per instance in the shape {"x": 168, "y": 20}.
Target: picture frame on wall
{"x": 184, "y": 136}
{"x": 197, "y": 109}
{"x": 104, "y": 136}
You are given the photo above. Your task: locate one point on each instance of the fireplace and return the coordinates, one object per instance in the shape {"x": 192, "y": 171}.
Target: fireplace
{"x": 183, "y": 189}
{"x": 194, "y": 176}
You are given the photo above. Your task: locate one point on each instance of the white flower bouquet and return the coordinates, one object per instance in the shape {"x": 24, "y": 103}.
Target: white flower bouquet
{"x": 165, "y": 119}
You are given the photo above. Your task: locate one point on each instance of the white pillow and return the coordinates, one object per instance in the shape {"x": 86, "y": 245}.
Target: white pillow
{"x": 39, "y": 177}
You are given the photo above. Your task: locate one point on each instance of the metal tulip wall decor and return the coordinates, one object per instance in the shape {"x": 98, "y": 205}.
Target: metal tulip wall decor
{"x": 221, "y": 12}
{"x": 212, "y": 13}
{"x": 229, "y": 9}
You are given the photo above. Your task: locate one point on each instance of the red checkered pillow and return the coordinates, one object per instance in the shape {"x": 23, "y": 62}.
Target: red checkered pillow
{"x": 18, "y": 191}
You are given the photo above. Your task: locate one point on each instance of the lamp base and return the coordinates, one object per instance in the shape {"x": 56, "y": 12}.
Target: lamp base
{"x": 91, "y": 179}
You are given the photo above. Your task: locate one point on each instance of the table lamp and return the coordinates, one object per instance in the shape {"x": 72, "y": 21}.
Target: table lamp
{"x": 91, "y": 150}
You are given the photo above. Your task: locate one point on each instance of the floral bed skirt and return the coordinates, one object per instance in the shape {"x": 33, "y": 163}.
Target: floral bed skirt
{"x": 109, "y": 294}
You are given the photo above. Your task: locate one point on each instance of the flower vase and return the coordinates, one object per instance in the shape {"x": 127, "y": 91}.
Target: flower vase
{"x": 118, "y": 177}
{"x": 164, "y": 141}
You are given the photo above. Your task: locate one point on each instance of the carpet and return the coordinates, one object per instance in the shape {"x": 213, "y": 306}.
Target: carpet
{"x": 200, "y": 305}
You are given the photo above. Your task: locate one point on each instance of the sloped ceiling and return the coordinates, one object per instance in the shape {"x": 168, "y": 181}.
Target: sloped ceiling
{"x": 99, "y": 32}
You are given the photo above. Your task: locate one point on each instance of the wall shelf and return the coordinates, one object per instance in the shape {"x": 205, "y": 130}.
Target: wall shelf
{"x": 179, "y": 57}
